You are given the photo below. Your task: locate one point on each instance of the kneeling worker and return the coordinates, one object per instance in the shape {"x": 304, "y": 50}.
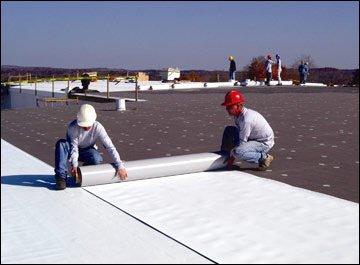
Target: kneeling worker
{"x": 252, "y": 137}
{"x": 82, "y": 134}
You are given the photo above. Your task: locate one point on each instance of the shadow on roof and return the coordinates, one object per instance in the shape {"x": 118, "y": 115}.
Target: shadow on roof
{"x": 38, "y": 181}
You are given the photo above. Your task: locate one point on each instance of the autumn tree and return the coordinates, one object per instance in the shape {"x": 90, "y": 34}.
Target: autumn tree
{"x": 255, "y": 70}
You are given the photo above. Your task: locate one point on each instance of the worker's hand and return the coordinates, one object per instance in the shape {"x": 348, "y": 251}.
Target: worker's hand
{"x": 74, "y": 172}
{"x": 122, "y": 174}
{"x": 229, "y": 161}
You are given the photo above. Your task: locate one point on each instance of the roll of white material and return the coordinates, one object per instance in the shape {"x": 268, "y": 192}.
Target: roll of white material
{"x": 152, "y": 168}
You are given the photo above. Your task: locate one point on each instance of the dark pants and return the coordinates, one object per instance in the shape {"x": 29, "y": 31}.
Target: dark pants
{"x": 268, "y": 78}
{"x": 232, "y": 75}
{"x": 89, "y": 155}
{"x": 303, "y": 78}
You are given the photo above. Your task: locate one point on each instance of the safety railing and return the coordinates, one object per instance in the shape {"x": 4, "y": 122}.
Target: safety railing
{"x": 18, "y": 80}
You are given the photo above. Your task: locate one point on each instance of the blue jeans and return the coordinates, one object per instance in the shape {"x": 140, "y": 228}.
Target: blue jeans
{"x": 232, "y": 75}
{"x": 251, "y": 151}
{"x": 303, "y": 78}
{"x": 89, "y": 155}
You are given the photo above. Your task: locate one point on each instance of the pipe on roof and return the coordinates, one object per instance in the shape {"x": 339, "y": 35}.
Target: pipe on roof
{"x": 152, "y": 168}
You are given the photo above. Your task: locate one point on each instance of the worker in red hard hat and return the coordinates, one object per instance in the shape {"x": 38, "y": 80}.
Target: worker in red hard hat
{"x": 252, "y": 137}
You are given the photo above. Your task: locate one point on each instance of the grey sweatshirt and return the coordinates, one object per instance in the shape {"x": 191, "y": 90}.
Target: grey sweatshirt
{"x": 79, "y": 138}
{"x": 253, "y": 127}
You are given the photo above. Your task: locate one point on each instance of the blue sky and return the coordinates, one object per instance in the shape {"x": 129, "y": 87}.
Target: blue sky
{"x": 189, "y": 35}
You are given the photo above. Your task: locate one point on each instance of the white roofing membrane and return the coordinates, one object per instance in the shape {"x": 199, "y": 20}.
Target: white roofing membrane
{"x": 40, "y": 225}
{"x": 101, "y": 85}
{"x": 226, "y": 216}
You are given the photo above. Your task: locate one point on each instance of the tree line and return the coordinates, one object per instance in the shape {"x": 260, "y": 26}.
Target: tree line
{"x": 254, "y": 70}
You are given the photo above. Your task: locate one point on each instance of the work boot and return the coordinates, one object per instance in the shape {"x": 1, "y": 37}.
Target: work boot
{"x": 60, "y": 183}
{"x": 265, "y": 163}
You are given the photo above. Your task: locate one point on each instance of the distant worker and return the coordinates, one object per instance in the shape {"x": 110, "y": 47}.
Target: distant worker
{"x": 252, "y": 137}
{"x": 278, "y": 64}
{"x": 232, "y": 68}
{"x": 303, "y": 72}
{"x": 85, "y": 81}
{"x": 306, "y": 71}
{"x": 268, "y": 69}
{"x": 82, "y": 134}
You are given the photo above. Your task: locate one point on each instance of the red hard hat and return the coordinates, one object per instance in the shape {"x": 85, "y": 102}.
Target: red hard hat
{"x": 233, "y": 97}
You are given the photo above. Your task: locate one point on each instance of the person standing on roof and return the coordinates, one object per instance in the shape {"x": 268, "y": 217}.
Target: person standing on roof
{"x": 252, "y": 137}
{"x": 268, "y": 69}
{"x": 82, "y": 134}
{"x": 278, "y": 64}
{"x": 85, "y": 81}
{"x": 302, "y": 70}
{"x": 232, "y": 68}
{"x": 305, "y": 72}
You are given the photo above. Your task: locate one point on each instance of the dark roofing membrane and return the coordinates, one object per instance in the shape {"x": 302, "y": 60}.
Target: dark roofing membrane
{"x": 316, "y": 131}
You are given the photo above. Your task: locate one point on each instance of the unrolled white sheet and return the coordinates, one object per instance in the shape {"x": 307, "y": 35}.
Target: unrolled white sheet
{"x": 234, "y": 217}
{"x": 40, "y": 225}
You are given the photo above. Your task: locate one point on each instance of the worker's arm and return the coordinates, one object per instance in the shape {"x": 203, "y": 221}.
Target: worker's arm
{"x": 72, "y": 136}
{"x": 110, "y": 148}
{"x": 74, "y": 156}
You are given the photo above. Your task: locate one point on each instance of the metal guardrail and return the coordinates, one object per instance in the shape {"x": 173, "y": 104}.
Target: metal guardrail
{"x": 68, "y": 79}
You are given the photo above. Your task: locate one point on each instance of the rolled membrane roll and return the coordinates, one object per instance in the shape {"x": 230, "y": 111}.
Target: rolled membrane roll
{"x": 151, "y": 168}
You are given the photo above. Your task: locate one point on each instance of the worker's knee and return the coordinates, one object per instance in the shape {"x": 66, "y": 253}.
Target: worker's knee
{"x": 61, "y": 144}
{"x": 241, "y": 152}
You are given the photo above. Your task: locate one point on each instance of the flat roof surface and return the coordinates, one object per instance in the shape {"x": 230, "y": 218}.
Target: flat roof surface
{"x": 316, "y": 131}
{"x": 207, "y": 217}
{"x": 40, "y": 225}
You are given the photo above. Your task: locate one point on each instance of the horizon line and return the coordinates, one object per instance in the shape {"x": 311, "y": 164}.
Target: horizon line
{"x": 115, "y": 68}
